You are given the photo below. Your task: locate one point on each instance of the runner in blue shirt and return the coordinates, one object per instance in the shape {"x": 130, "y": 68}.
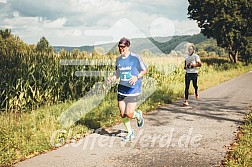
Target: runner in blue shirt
{"x": 130, "y": 70}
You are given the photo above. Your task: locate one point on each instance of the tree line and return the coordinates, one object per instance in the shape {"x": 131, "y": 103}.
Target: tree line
{"x": 227, "y": 21}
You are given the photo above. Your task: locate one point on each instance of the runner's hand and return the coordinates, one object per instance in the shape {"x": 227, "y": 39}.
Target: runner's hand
{"x": 133, "y": 80}
{"x": 111, "y": 79}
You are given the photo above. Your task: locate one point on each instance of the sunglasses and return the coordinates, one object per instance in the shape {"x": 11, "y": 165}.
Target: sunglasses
{"x": 120, "y": 46}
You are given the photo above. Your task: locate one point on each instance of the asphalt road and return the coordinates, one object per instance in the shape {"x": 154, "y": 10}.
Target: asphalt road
{"x": 198, "y": 135}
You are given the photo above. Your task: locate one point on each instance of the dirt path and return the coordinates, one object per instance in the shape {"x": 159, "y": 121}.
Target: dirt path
{"x": 172, "y": 135}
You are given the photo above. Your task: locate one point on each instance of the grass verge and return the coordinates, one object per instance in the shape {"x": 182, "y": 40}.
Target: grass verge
{"x": 240, "y": 152}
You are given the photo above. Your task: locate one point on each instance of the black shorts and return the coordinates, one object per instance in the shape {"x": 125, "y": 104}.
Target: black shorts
{"x": 191, "y": 76}
{"x": 128, "y": 99}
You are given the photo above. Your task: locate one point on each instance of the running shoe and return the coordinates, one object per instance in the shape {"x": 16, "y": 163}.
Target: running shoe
{"x": 186, "y": 103}
{"x": 197, "y": 96}
{"x": 140, "y": 120}
{"x": 128, "y": 137}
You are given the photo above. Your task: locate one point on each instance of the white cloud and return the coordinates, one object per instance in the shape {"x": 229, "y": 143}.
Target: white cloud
{"x": 66, "y": 22}
{"x": 55, "y": 23}
{"x": 186, "y": 27}
{"x": 162, "y": 27}
{"x": 3, "y": 1}
{"x": 122, "y": 28}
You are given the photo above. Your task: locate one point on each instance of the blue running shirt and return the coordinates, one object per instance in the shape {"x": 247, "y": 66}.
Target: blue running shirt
{"x": 125, "y": 68}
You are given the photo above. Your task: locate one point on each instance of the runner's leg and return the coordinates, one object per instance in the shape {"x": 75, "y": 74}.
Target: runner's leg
{"x": 195, "y": 83}
{"x": 187, "y": 85}
{"x": 126, "y": 121}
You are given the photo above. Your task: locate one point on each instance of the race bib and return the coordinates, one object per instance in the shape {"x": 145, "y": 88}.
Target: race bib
{"x": 125, "y": 75}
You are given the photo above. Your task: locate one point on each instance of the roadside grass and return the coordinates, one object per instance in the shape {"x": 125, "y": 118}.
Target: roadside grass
{"x": 240, "y": 153}
{"x": 211, "y": 75}
{"x": 27, "y": 134}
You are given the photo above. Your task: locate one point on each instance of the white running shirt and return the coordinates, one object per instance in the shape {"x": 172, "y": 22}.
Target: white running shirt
{"x": 193, "y": 59}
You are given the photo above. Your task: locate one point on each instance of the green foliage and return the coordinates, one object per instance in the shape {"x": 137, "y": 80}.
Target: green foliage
{"x": 209, "y": 48}
{"x": 211, "y": 61}
{"x": 247, "y": 51}
{"x": 241, "y": 151}
{"x": 168, "y": 45}
{"x": 32, "y": 77}
{"x": 43, "y": 46}
{"x": 38, "y": 80}
{"x": 226, "y": 21}
{"x": 5, "y": 33}
{"x": 25, "y": 134}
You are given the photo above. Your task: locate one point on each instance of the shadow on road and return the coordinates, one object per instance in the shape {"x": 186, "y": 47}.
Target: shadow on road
{"x": 210, "y": 108}
{"x": 110, "y": 132}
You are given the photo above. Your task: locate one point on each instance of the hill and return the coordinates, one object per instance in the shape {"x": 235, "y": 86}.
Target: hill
{"x": 155, "y": 45}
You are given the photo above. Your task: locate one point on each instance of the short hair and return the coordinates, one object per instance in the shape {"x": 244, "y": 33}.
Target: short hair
{"x": 124, "y": 41}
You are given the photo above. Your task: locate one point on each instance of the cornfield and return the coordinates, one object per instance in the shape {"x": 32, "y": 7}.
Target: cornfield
{"x": 34, "y": 80}
{"x": 29, "y": 81}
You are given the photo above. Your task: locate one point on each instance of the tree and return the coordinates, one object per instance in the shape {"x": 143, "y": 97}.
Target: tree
{"x": 227, "y": 21}
{"x": 43, "y": 46}
{"x": 11, "y": 45}
{"x": 5, "y": 33}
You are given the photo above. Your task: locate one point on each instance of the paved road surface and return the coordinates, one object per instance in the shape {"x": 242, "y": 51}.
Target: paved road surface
{"x": 172, "y": 135}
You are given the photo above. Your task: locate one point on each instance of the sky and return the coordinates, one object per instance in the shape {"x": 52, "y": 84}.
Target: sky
{"x": 90, "y": 22}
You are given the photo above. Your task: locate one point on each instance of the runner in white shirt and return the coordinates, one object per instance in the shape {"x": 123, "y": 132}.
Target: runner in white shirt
{"x": 192, "y": 62}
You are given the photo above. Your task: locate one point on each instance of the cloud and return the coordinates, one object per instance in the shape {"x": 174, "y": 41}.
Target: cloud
{"x": 78, "y": 12}
{"x": 115, "y": 31}
{"x": 186, "y": 27}
{"x": 65, "y": 22}
{"x": 3, "y": 1}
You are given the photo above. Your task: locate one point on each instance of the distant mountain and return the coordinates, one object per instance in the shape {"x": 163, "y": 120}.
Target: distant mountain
{"x": 155, "y": 45}
{"x": 68, "y": 48}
